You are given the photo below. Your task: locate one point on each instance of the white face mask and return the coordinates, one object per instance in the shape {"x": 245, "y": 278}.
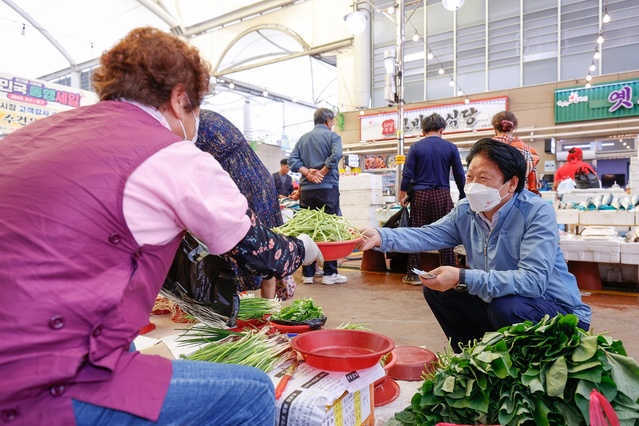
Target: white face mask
{"x": 197, "y": 124}
{"x": 483, "y": 198}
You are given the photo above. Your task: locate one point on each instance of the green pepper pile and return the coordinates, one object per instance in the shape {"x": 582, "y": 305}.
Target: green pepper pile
{"x": 320, "y": 226}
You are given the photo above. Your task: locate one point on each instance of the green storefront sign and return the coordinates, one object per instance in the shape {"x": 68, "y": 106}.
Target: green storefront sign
{"x": 614, "y": 100}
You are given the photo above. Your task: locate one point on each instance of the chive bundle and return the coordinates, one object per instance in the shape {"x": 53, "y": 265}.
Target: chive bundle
{"x": 320, "y": 226}
{"x": 257, "y": 307}
{"x": 254, "y": 348}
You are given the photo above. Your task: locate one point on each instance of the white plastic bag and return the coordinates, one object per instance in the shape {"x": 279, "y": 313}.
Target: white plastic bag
{"x": 566, "y": 185}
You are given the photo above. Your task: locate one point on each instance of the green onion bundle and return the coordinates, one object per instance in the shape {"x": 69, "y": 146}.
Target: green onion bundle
{"x": 349, "y": 326}
{"x": 253, "y": 348}
{"x": 257, "y": 307}
{"x": 320, "y": 226}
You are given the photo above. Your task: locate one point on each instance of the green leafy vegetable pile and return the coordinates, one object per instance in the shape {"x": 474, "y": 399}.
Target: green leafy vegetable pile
{"x": 528, "y": 373}
{"x": 320, "y": 226}
{"x": 299, "y": 310}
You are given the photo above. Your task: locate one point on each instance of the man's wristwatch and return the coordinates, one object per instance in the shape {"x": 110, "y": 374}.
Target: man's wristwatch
{"x": 461, "y": 285}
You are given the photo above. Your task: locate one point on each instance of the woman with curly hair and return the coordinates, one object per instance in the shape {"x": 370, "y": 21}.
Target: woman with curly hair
{"x": 95, "y": 202}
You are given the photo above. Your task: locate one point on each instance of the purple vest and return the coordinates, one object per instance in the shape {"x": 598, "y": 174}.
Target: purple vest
{"x": 75, "y": 286}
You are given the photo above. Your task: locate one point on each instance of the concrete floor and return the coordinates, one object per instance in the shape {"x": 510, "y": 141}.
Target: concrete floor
{"x": 381, "y": 302}
{"x": 399, "y": 311}
{"x": 384, "y": 304}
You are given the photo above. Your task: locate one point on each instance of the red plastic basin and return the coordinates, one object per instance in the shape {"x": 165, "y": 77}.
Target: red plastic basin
{"x": 342, "y": 350}
{"x": 338, "y": 249}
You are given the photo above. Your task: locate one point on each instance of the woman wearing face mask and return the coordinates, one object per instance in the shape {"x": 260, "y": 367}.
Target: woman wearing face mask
{"x": 95, "y": 202}
{"x": 517, "y": 270}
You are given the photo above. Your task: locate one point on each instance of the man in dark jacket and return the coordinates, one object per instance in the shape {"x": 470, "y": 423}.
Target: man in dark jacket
{"x": 283, "y": 182}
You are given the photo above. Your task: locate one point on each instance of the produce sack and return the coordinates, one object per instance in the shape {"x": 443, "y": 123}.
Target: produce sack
{"x": 204, "y": 280}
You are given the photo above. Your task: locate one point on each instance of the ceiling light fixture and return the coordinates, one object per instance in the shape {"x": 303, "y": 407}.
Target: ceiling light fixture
{"x": 600, "y": 39}
{"x": 231, "y": 85}
{"x": 588, "y": 77}
{"x": 415, "y": 36}
{"x": 587, "y": 86}
{"x": 466, "y": 101}
{"x": 430, "y": 55}
{"x": 597, "y": 54}
{"x": 265, "y": 93}
{"x": 24, "y": 27}
{"x": 451, "y": 83}
{"x": 355, "y": 22}
{"x": 592, "y": 66}
{"x": 441, "y": 71}
{"x": 606, "y": 17}
{"x": 391, "y": 10}
{"x": 452, "y": 5}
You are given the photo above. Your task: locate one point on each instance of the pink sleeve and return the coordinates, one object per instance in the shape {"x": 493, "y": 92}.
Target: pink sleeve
{"x": 181, "y": 187}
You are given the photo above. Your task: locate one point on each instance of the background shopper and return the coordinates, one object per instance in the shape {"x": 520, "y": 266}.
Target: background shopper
{"x": 316, "y": 156}
{"x": 283, "y": 181}
{"x": 574, "y": 162}
{"x": 426, "y": 180}
{"x": 505, "y": 124}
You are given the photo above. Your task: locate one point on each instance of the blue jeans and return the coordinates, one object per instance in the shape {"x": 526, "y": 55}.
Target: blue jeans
{"x": 200, "y": 393}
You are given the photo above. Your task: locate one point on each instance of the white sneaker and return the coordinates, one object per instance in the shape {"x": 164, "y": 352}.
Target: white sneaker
{"x": 307, "y": 280}
{"x": 334, "y": 279}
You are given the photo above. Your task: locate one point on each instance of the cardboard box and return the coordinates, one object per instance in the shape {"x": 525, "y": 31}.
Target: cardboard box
{"x": 315, "y": 397}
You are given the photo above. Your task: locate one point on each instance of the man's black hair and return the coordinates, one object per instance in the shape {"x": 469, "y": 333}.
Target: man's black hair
{"x": 433, "y": 122}
{"x": 508, "y": 159}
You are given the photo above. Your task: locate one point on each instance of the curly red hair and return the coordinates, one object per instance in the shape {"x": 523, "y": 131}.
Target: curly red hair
{"x": 147, "y": 64}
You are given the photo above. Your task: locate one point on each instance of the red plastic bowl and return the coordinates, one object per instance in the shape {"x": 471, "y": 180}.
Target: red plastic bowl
{"x": 342, "y": 350}
{"x": 338, "y": 249}
{"x": 284, "y": 328}
{"x": 411, "y": 363}
{"x": 253, "y": 322}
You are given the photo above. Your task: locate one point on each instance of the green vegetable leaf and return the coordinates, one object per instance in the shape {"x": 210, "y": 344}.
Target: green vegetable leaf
{"x": 556, "y": 377}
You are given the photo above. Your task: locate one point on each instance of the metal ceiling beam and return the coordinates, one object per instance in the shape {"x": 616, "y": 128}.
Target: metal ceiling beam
{"x": 240, "y": 14}
{"x": 177, "y": 26}
{"x": 44, "y": 32}
{"x": 313, "y": 51}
